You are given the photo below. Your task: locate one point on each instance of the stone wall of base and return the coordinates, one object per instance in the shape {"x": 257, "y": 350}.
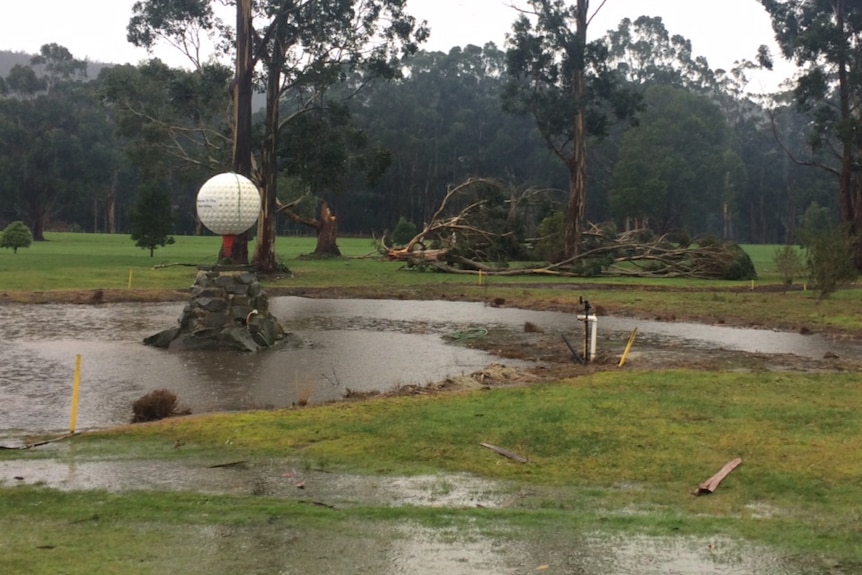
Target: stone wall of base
{"x": 226, "y": 310}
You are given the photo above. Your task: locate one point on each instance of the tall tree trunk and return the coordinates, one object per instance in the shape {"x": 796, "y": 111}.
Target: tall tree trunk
{"x": 37, "y": 213}
{"x": 264, "y": 253}
{"x": 241, "y": 93}
{"x": 849, "y": 198}
{"x": 111, "y": 205}
{"x": 856, "y": 227}
{"x": 578, "y": 162}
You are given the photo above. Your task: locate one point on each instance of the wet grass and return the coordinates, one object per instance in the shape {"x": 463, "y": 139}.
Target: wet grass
{"x": 608, "y": 453}
{"x": 611, "y": 451}
{"x": 98, "y": 261}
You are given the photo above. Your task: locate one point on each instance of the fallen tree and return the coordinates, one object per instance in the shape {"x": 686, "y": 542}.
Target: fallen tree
{"x": 455, "y": 241}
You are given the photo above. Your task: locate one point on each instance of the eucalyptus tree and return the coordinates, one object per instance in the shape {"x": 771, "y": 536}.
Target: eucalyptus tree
{"x": 672, "y": 168}
{"x": 297, "y": 50}
{"x": 566, "y": 84}
{"x": 823, "y": 37}
{"x": 648, "y": 54}
{"x": 173, "y": 125}
{"x": 443, "y": 123}
{"x": 41, "y": 151}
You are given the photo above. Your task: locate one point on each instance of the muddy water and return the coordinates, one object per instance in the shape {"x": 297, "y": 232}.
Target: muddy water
{"x": 690, "y": 335}
{"x": 38, "y": 345}
{"x": 336, "y": 346}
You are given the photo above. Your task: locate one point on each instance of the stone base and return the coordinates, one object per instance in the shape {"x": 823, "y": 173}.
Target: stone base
{"x": 228, "y": 310}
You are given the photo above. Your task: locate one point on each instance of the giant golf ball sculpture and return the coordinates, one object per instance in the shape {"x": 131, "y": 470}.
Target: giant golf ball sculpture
{"x": 228, "y": 308}
{"x": 228, "y": 204}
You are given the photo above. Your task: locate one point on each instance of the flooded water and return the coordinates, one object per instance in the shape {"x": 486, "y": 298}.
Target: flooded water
{"x": 392, "y": 547}
{"x": 336, "y": 346}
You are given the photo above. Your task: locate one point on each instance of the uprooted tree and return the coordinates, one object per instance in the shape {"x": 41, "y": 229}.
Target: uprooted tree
{"x": 478, "y": 229}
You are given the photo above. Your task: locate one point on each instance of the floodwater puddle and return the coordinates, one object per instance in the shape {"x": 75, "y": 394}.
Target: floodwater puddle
{"x": 393, "y": 548}
{"x": 274, "y": 478}
{"x": 336, "y": 347}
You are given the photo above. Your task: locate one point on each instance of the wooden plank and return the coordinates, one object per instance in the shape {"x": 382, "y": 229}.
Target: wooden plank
{"x": 711, "y": 484}
{"x": 505, "y": 452}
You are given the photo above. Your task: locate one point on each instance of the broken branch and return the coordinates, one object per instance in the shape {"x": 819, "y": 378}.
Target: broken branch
{"x": 505, "y": 452}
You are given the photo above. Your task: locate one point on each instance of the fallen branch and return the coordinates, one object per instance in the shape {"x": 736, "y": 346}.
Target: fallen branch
{"x": 160, "y": 266}
{"x": 711, "y": 484}
{"x": 505, "y": 452}
{"x": 319, "y": 504}
{"x": 229, "y": 464}
{"x": 40, "y": 443}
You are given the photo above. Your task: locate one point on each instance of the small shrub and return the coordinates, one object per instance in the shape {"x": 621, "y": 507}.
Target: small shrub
{"x": 16, "y": 235}
{"x": 156, "y": 405}
{"x": 404, "y": 232}
{"x": 789, "y": 262}
{"x": 829, "y": 251}
{"x": 551, "y": 231}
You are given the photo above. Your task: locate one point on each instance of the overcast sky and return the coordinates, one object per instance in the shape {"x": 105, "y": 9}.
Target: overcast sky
{"x": 722, "y": 30}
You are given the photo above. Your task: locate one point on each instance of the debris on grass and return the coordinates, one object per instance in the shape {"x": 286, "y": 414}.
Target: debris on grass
{"x": 711, "y": 484}
{"x": 156, "y": 405}
{"x": 505, "y": 452}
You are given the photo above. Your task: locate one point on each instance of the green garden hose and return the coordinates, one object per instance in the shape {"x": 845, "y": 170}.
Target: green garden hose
{"x": 473, "y": 333}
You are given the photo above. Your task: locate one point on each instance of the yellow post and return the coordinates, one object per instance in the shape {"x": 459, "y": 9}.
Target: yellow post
{"x": 480, "y": 277}
{"x": 130, "y": 278}
{"x": 628, "y": 347}
{"x": 76, "y": 386}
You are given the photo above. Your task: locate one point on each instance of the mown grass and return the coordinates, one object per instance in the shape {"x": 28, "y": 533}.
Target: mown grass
{"x": 668, "y": 428}
{"x": 83, "y": 261}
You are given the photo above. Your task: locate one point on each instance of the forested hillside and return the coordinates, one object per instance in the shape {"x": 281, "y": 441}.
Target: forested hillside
{"x": 700, "y": 157}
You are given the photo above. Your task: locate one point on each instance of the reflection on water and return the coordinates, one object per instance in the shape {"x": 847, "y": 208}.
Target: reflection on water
{"x": 361, "y": 345}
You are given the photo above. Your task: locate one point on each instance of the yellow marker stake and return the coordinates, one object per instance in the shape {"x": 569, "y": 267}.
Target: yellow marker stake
{"x": 480, "y": 277}
{"x": 628, "y": 347}
{"x": 130, "y": 278}
{"x": 76, "y": 386}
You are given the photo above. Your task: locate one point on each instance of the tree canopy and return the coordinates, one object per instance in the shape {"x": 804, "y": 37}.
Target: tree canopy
{"x": 298, "y": 51}
{"x": 355, "y": 143}
{"x": 565, "y": 83}
{"x": 822, "y": 37}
